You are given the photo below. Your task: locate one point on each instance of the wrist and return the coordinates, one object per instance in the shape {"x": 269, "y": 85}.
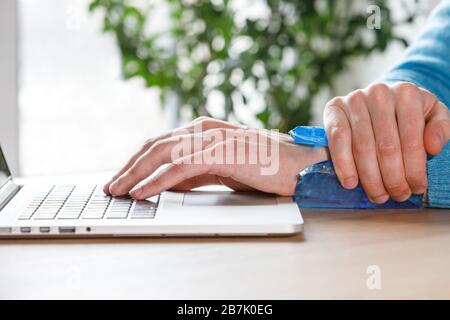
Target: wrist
{"x": 306, "y": 156}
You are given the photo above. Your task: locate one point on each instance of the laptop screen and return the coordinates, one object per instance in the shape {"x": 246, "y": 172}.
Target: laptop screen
{"x": 4, "y": 171}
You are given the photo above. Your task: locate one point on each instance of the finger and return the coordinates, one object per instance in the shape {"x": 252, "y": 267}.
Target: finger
{"x": 437, "y": 128}
{"x": 147, "y": 145}
{"x": 363, "y": 145}
{"x": 409, "y": 111}
{"x": 340, "y": 143}
{"x": 196, "y": 182}
{"x": 151, "y": 160}
{"x": 198, "y": 125}
{"x": 207, "y": 180}
{"x": 129, "y": 163}
{"x": 167, "y": 178}
{"x": 165, "y": 151}
{"x": 381, "y": 106}
{"x": 182, "y": 170}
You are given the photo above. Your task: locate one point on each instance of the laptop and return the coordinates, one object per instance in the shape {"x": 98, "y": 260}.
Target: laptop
{"x": 74, "y": 210}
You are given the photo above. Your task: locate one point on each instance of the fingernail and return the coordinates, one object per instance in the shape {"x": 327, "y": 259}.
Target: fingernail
{"x": 106, "y": 188}
{"x": 381, "y": 199}
{"x": 114, "y": 188}
{"x": 350, "y": 182}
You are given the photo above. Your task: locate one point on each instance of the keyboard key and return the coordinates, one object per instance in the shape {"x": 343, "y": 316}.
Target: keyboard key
{"x": 117, "y": 215}
{"x": 25, "y": 217}
{"x": 119, "y": 208}
{"x": 144, "y": 209}
{"x": 69, "y": 217}
{"x": 93, "y": 216}
{"x": 45, "y": 216}
{"x": 69, "y": 202}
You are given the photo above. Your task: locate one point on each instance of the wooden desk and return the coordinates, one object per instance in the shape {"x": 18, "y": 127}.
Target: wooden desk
{"x": 330, "y": 260}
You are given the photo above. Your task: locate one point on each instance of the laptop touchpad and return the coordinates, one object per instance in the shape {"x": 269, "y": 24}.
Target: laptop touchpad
{"x": 227, "y": 198}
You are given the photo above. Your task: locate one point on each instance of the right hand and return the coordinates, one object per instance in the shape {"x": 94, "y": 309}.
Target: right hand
{"x": 381, "y": 136}
{"x": 240, "y": 158}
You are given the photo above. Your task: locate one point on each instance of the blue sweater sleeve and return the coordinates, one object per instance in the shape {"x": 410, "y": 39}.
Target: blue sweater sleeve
{"x": 427, "y": 61}
{"x": 427, "y": 64}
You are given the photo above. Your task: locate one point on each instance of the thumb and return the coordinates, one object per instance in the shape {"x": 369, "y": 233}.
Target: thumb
{"x": 437, "y": 129}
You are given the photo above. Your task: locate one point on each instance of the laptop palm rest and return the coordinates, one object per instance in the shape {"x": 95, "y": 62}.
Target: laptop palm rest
{"x": 228, "y": 198}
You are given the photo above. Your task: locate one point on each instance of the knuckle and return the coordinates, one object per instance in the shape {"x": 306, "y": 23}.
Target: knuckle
{"x": 338, "y": 132}
{"x": 155, "y": 184}
{"x": 362, "y": 148}
{"x": 158, "y": 146}
{"x": 396, "y": 186}
{"x": 381, "y": 87}
{"x": 412, "y": 145}
{"x": 147, "y": 144}
{"x": 134, "y": 171}
{"x": 178, "y": 168}
{"x": 388, "y": 147}
{"x": 406, "y": 90}
{"x": 378, "y": 88}
{"x": 146, "y": 187}
{"x": 336, "y": 102}
{"x": 357, "y": 97}
{"x": 200, "y": 123}
{"x": 378, "y": 93}
{"x": 406, "y": 87}
{"x": 207, "y": 123}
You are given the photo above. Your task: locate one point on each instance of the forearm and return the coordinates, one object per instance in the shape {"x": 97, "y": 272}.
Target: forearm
{"x": 427, "y": 62}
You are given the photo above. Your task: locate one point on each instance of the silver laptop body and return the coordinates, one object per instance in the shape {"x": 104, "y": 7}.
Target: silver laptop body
{"x": 74, "y": 210}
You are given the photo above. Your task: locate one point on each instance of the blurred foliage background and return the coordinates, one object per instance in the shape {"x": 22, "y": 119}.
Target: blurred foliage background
{"x": 228, "y": 61}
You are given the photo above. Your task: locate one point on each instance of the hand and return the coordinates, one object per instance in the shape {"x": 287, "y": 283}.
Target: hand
{"x": 381, "y": 135}
{"x": 209, "y": 151}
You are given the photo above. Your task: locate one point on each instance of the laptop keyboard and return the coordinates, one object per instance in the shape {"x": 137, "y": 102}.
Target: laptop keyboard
{"x": 71, "y": 202}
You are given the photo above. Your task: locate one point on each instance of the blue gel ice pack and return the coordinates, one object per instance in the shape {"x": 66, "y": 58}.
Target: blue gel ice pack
{"x": 319, "y": 187}
{"x": 310, "y": 136}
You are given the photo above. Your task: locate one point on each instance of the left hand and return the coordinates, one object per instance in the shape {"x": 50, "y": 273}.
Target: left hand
{"x": 381, "y": 136}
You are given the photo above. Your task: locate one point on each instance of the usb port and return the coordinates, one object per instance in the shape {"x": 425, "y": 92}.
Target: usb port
{"x": 25, "y": 229}
{"x": 44, "y": 229}
{"x": 5, "y": 230}
{"x": 66, "y": 229}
